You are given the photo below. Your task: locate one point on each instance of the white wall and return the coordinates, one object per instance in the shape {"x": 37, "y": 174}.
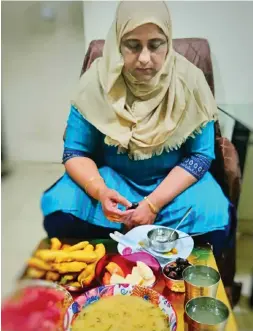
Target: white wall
{"x": 41, "y": 62}
{"x": 228, "y": 26}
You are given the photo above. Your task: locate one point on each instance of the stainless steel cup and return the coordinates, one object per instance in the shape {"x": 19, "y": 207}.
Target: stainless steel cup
{"x": 206, "y": 314}
{"x": 160, "y": 239}
{"x": 207, "y": 284}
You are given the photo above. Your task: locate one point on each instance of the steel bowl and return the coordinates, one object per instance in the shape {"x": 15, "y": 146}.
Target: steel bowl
{"x": 175, "y": 285}
{"x": 158, "y": 239}
{"x": 206, "y": 314}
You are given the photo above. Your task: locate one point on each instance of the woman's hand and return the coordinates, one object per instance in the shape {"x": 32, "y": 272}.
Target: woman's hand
{"x": 110, "y": 200}
{"x": 142, "y": 215}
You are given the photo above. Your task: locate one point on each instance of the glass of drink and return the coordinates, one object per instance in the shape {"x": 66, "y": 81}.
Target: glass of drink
{"x": 206, "y": 314}
{"x": 199, "y": 281}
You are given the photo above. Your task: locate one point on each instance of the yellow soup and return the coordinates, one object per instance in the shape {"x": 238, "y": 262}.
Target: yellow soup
{"x": 121, "y": 313}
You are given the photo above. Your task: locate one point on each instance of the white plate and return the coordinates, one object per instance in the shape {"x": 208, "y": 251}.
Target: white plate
{"x": 183, "y": 246}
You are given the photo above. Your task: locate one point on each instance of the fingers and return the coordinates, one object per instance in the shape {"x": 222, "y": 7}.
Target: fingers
{"x": 128, "y": 221}
{"x": 120, "y": 199}
{"x": 110, "y": 206}
{"x": 116, "y": 215}
{"x": 110, "y": 210}
{"x": 114, "y": 219}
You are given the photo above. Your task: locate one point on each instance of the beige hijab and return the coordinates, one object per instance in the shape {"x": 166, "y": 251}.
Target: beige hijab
{"x": 162, "y": 114}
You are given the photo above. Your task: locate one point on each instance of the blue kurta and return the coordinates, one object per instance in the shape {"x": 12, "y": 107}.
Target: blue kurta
{"x": 136, "y": 179}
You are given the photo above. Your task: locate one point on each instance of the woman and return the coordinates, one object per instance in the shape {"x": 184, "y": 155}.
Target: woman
{"x": 140, "y": 129}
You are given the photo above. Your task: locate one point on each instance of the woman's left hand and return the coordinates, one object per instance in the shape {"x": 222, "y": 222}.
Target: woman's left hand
{"x": 142, "y": 215}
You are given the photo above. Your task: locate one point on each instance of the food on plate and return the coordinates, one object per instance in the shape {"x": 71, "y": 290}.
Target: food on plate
{"x": 136, "y": 272}
{"x": 65, "y": 256}
{"x": 173, "y": 251}
{"x": 116, "y": 279}
{"x": 148, "y": 282}
{"x": 55, "y": 244}
{"x": 175, "y": 269}
{"x": 35, "y": 273}
{"x": 49, "y": 255}
{"x": 67, "y": 278}
{"x": 106, "y": 278}
{"x": 68, "y": 265}
{"x": 34, "y": 262}
{"x": 86, "y": 277}
{"x": 77, "y": 247}
{"x": 133, "y": 279}
{"x": 100, "y": 251}
{"x": 141, "y": 275}
{"x": 89, "y": 248}
{"x": 121, "y": 312}
{"x": 83, "y": 256}
{"x": 75, "y": 284}
{"x": 51, "y": 275}
{"x": 34, "y": 308}
{"x": 144, "y": 270}
{"x": 113, "y": 268}
{"x": 65, "y": 247}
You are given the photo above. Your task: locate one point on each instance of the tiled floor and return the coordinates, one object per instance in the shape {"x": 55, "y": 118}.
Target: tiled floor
{"x": 22, "y": 229}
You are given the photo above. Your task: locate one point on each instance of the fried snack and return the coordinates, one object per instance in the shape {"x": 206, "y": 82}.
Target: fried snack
{"x": 49, "y": 255}
{"x": 67, "y": 267}
{"x": 54, "y": 276}
{"x": 65, "y": 247}
{"x": 35, "y": 273}
{"x": 74, "y": 284}
{"x": 55, "y": 244}
{"x": 100, "y": 251}
{"x": 78, "y": 246}
{"x": 63, "y": 256}
{"x": 66, "y": 278}
{"x": 82, "y": 256}
{"x": 89, "y": 248}
{"x": 87, "y": 275}
{"x": 36, "y": 263}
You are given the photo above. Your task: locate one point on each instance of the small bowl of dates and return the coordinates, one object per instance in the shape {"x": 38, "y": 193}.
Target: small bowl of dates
{"x": 172, "y": 273}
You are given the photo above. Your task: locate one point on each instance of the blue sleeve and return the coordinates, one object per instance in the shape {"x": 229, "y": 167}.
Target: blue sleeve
{"x": 81, "y": 137}
{"x": 199, "y": 152}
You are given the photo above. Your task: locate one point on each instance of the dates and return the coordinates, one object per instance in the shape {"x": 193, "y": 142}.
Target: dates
{"x": 175, "y": 269}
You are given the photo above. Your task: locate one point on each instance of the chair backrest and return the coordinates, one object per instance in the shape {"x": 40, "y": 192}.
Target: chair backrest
{"x": 196, "y": 50}
{"x": 226, "y": 167}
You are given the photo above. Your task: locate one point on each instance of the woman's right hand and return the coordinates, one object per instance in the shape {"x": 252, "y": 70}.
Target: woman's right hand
{"x": 110, "y": 200}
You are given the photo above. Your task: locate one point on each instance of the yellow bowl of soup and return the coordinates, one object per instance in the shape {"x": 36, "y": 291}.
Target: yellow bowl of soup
{"x": 121, "y": 307}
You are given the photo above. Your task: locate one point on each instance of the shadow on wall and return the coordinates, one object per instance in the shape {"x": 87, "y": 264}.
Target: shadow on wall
{"x": 49, "y": 12}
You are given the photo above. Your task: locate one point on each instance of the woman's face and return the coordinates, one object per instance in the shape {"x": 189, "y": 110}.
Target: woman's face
{"x": 144, "y": 51}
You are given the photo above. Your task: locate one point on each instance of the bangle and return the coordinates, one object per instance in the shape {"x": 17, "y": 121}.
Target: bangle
{"x": 92, "y": 179}
{"x": 153, "y": 208}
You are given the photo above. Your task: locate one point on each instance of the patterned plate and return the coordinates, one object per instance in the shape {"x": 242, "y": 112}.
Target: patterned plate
{"x": 121, "y": 289}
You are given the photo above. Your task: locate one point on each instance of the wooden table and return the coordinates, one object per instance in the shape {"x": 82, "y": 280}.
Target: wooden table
{"x": 199, "y": 255}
